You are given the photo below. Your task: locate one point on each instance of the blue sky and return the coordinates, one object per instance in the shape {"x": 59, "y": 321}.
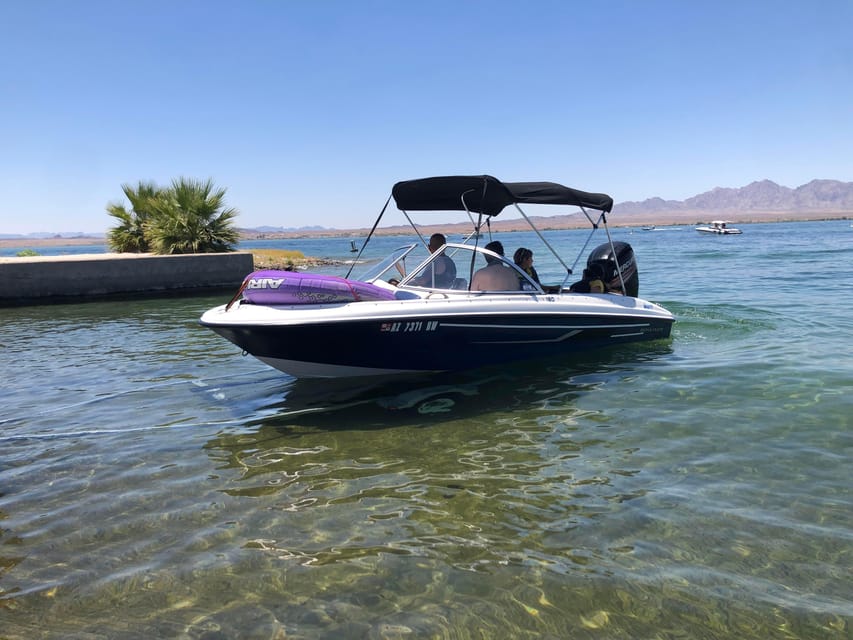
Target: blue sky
{"x": 308, "y": 112}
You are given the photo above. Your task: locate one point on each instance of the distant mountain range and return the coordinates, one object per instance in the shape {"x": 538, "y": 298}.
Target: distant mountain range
{"x": 763, "y": 196}
{"x": 267, "y": 229}
{"x": 48, "y": 235}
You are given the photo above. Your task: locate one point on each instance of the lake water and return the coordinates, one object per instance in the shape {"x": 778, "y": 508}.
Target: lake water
{"x": 156, "y": 483}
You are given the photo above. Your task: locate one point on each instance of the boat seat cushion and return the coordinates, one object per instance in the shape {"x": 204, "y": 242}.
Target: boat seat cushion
{"x": 405, "y": 295}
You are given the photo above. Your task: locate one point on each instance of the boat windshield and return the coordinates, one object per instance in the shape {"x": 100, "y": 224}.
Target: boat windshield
{"x": 394, "y": 265}
{"x": 453, "y": 267}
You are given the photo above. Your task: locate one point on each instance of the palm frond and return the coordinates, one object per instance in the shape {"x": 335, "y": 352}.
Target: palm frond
{"x": 130, "y": 235}
{"x": 190, "y": 218}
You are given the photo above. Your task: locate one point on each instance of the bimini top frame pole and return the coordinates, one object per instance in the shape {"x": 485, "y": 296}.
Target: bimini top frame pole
{"x": 615, "y": 257}
{"x": 542, "y": 238}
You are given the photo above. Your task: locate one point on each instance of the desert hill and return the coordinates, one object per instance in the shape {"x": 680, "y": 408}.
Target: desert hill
{"x": 760, "y": 201}
{"x": 761, "y": 196}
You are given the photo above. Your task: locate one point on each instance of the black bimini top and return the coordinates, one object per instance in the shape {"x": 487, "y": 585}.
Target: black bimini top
{"x": 488, "y": 195}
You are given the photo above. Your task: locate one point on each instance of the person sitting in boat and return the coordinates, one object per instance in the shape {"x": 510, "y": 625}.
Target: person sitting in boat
{"x": 523, "y": 257}
{"x": 591, "y": 281}
{"x": 442, "y": 271}
{"x": 495, "y": 276}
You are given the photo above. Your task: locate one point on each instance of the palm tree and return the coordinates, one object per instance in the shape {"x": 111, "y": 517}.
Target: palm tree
{"x": 129, "y": 235}
{"x": 191, "y": 217}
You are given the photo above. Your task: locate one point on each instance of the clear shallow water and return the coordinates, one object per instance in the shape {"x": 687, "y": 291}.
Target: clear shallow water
{"x": 155, "y": 483}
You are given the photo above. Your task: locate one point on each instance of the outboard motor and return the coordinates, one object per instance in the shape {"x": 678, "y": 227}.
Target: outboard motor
{"x": 603, "y": 256}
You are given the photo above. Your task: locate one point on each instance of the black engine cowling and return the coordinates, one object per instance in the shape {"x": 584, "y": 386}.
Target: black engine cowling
{"x": 602, "y": 255}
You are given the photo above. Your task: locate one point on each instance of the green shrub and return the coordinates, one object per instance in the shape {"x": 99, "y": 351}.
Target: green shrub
{"x": 188, "y": 217}
{"x": 129, "y": 236}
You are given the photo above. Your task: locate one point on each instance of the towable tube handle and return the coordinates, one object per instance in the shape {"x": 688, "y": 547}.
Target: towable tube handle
{"x": 239, "y": 292}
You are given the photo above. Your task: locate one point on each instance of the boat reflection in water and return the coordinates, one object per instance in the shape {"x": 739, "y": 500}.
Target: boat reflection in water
{"x": 394, "y": 401}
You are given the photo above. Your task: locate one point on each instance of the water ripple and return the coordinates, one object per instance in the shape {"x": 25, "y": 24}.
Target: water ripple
{"x": 154, "y": 483}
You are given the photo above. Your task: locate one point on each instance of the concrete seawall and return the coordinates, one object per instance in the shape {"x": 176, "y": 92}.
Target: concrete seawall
{"x": 76, "y": 278}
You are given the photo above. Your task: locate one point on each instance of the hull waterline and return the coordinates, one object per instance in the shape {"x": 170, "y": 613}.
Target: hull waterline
{"x": 417, "y": 340}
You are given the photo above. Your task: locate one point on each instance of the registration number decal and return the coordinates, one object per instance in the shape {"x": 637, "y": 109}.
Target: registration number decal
{"x": 408, "y": 326}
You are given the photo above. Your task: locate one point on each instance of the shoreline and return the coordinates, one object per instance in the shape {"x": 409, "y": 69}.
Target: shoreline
{"x": 109, "y": 276}
{"x": 545, "y": 223}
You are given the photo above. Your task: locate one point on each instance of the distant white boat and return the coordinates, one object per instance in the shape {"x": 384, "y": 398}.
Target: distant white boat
{"x": 720, "y": 227}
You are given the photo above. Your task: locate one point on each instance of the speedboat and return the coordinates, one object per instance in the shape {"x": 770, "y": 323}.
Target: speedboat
{"x": 719, "y": 226}
{"x": 401, "y": 317}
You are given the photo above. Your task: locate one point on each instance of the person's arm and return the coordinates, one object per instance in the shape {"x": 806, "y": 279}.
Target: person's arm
{"x": 476, "y": 281}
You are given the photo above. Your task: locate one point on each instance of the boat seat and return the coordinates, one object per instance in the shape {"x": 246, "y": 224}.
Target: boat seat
{"x": 406, "y": 295}
{"x": 459, "y": 283}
